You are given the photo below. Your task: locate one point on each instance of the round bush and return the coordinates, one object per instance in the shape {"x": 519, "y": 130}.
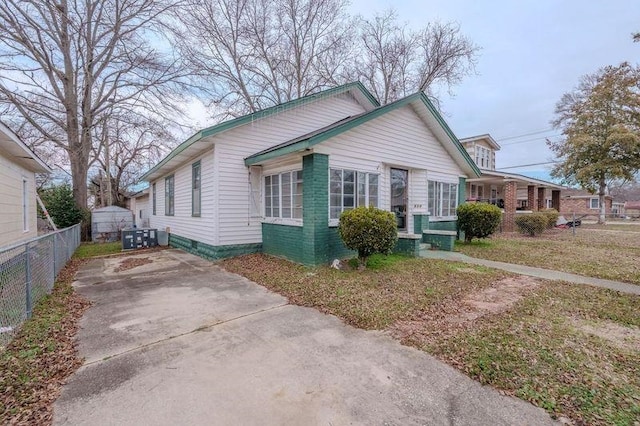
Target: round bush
{"x": 478, "y": 220}
{"x": 368, "y": 230}
{"x": 532, "y": 224}
{"x": 552, "y": 217}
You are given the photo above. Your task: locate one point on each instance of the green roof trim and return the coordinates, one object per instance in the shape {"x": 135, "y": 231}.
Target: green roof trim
{"x": 245, "y": 119}
{"x": 451, "y": 135}
{"x": 314, "y": 138}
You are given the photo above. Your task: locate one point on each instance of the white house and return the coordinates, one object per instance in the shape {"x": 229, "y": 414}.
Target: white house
{"x": 138, "y": 203}
{"x": 18, "y": 167}
{"x": 278, "y": 179}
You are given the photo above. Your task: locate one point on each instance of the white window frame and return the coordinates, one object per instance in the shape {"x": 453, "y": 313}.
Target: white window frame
{"x": 597, "y": 200}
{"x": 358, "y": 175}
{"x": 295, "y": 203}
{"x": 170, "y": 195}
{"x": 25, "y": 204}
{"x": 435, "y": 201}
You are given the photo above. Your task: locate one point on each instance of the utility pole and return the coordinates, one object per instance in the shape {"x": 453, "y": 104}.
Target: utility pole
{"x": 108, "y": 166}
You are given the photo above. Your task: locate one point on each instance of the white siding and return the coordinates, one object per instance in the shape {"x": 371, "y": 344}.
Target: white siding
{"x": 11, "y": 209}
{"x": 399, "y": 139}
{"x": 235, "y": 224}
{"x": 141, "y": 208}
{"x": 182, "y": 223}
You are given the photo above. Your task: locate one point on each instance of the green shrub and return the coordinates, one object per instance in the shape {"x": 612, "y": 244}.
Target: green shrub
{"x": 532, "y": 224}
{"x": 552, "y": 217}
{"x": 368, "y": 230}
{"x": 478, "y": 220}
{"x": 61, "y": 206}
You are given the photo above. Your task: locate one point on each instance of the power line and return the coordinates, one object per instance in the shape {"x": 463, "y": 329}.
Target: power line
{"x": 529, "y": 165}
{"x": 524, "y": 134}
{"x": 531, "y": 140}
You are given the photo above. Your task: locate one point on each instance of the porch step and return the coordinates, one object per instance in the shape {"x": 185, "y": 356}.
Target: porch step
{"x": 425, "y": 246}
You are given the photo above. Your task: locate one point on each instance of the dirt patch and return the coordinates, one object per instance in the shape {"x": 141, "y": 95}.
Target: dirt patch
{"x": 131, "y": 263}
{"x": 455, "y": 315}
{"x": 499, "y": 298}
{"x": 618, "y": 335}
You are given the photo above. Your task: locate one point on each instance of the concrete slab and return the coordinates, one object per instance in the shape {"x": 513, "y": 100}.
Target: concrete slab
{"x": 197, "y": 345}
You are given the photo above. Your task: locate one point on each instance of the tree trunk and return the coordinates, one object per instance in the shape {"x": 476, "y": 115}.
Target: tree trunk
{"x": 602, "y": 218}
{"x": 79, "y": 172}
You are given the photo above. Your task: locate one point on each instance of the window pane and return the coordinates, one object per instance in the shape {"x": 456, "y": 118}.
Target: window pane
{"x": 373, "y": 190}
{"x": 267, "y": 196}
{"x": 349, "y": 201}
{"x": 362, "y": 189}
{"x": 431, "y": 202}
{"x": 285, "y": 180}
{"x": 335, "y": 212}
{"x": 349, "y": 176}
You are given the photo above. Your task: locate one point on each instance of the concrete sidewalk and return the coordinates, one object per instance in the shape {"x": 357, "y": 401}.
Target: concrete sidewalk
{"x": 533, "y": 272}
{"x": 180, "y": 341}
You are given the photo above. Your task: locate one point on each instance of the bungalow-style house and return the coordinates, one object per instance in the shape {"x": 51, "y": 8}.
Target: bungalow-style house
{"x": 632, "y": 209}
{"x": 514, "y": 193}
{"x": 277, "y": 180}
{"x": 18, "y": 168}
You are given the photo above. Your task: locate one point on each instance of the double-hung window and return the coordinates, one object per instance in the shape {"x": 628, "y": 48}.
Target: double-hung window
{"x": 153, "y": 189}
{"x": 283, "y": 195}
{"x": 196, "y": 183}
{"x": 594, "y": 203}
{"x": 349, "y": 189}
{"x": 169, "y": 196}
{"x": 443, "y": 198}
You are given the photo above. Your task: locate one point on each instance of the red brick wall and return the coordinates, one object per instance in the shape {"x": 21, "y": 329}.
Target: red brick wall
{"x": 510, "y": 203}
{"x": 581, "y": 206}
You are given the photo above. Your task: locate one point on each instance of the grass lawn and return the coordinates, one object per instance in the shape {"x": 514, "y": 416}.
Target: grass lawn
{"x": 572, "y": 350}
{"x": 596, "y": 252}
{"x": 86, "y": 250}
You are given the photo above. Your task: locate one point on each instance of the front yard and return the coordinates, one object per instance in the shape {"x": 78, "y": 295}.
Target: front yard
{"x": 595, "y": 251}
{"x": 572, "y": 350}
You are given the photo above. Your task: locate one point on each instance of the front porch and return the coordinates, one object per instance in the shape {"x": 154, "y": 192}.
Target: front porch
{"x": 514, "y": 194}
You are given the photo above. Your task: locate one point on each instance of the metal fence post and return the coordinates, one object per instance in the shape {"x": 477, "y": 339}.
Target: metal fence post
{"x": 27, "y": 268}
{"x": 55, "y": 265}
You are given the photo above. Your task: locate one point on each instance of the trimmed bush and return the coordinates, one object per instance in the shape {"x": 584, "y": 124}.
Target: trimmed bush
{"x": 368, "y": 230}
{"x": 532, "y": 224}
{"x": 478, "y": 220}
{"x": 552, "y": 217}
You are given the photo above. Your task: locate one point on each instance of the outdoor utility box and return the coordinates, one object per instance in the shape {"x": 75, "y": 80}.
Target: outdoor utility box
{"x": 139, "y": 238}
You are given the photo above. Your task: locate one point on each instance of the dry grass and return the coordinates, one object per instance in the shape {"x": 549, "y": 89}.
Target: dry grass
{"x": 34, "y": 366}
{"x": 523, "y": 336}
{"x": 595, "y": 252}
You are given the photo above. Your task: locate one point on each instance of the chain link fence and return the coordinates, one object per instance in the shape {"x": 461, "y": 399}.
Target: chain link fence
{"x": 27, "y": 273}
{"x": 537, "y": 223}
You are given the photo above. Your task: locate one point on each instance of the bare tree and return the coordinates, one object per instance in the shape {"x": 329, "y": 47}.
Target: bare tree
{"x": 134, "y": 144}
{"x": 64, "y": 65}
{"x": 256, "y": 53}
{"x": 398, "y": 61}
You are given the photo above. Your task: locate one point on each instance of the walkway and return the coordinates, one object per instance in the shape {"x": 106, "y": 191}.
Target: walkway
{"x": 547, "y": 274}
{"x": 177, "y": 340}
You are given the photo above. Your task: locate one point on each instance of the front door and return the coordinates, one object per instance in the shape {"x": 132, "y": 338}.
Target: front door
{"x": 400, "y": 196}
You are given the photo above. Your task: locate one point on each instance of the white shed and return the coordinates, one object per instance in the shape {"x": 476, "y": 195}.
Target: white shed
{"x": 108, "y": 222}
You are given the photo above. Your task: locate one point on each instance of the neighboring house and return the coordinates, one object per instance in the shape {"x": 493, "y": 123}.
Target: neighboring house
{"x": 139, "y": 204}
{"x": 277, "y": 180}
{"x": 632, "y": 209}
{"x": 511, "y": 192}
{"x": 583, "y": 203}
{"x": 18, "y": 167}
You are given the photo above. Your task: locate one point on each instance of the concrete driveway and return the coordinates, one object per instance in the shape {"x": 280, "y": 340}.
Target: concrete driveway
{"x": 180, "y": 341}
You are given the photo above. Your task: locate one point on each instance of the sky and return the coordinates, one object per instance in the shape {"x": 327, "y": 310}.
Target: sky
{"x": 532, "y": 52}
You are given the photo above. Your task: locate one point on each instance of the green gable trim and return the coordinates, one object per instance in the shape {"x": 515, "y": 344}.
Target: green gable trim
{"x": 245, "y": 119}
{"x": 452, "y": 136}
{"x": 305, "y": 144}
{"x": 321, "y": 137}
